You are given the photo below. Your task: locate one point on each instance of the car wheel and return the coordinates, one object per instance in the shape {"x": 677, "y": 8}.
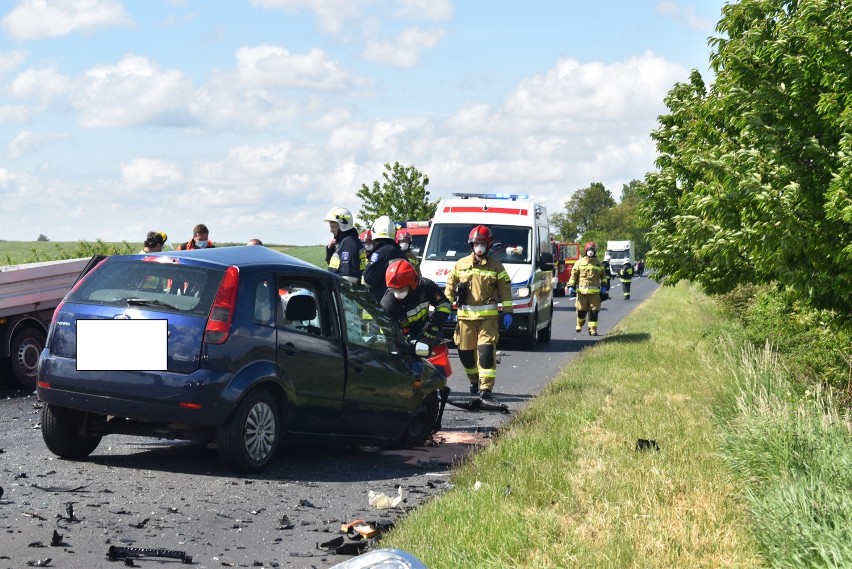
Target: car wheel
{"x": 24, "y": 351}
{"x": 248, "y": 441}
{"x": 531, "y": 340}
{"x": 421, "y": 423}
{"x": 545, "y": 333}
{"x": 62, "y": 431}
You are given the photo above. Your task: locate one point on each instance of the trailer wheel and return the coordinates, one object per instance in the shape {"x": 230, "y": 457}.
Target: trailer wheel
{"x": 24, "y": 351}
{"x": 248, "y": 441}
{"x": 63, "y": 432}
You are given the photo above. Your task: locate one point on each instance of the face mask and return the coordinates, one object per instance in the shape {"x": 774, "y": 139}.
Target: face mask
{"x": 399, "y": 294}
{"x": 404, "y": 246}
{"x": 590, "y": 253}
{"x": 200, "y": 244}
{"x": 368, "y": 247}
{"x": 479, "y": 249}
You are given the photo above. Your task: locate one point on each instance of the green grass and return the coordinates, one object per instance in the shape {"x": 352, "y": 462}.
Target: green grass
{"x": 564, "y": 485}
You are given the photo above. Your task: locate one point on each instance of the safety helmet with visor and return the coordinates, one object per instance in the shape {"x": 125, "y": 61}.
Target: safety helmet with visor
{"x": 384, "y": 228}
{"x": 341, "y": 216}
{"x": 480, "y": 235}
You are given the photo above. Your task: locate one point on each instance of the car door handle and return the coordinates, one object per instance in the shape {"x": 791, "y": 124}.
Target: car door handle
{"x": 288, "y": 349}
{"x": 358, "y": 366}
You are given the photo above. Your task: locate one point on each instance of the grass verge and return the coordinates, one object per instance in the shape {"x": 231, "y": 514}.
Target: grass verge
{"x": 565, "y": 486}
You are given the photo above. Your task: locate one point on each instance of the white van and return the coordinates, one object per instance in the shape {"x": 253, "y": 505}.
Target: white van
{"x": 521, "y": 233}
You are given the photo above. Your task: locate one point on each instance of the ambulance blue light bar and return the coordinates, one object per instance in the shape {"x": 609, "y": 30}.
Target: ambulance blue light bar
{"x": 512, "y": 197}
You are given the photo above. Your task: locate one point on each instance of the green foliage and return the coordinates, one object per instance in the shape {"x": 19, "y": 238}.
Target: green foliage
{"x": 402, "y": 195}
{"x": 58, "y": 251}
{"x": 42, "y": 237}
{"x": 754, "y": 175}
{"x": 816, "y": 343}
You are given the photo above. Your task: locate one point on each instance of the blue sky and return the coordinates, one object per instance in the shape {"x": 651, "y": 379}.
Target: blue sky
{"x": 257, "y": 116}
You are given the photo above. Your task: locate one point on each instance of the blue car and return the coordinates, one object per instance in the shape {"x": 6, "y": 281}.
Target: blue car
{"x": 257, "y": 348}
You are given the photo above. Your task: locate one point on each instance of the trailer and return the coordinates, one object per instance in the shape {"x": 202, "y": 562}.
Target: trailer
{"x": 29, "y": 293}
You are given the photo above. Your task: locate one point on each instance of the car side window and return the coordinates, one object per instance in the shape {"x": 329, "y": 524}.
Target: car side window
{"x": 263, "y": 300}
{"x": 366, "y": 323}
{"x": 300, "y": 308}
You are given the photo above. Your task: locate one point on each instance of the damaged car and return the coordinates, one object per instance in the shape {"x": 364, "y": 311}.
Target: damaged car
{"x": 250, "y": 348}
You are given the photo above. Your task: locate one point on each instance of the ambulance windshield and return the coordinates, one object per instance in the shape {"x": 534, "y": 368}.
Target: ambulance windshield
{"x": 448, "y": 242}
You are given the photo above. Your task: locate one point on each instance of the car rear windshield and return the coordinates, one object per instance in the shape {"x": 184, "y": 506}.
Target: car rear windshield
{"x": 168, "y": 287}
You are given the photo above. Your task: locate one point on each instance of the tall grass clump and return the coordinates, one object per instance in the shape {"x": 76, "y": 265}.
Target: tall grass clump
{"x": 816, "y": 344}
{"x": 793, "y": 458}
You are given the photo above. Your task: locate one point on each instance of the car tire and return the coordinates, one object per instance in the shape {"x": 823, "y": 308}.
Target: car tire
{"x": 24, "y": 352}
{"x": 545, "y": 333}
{"x": 422, "y": 422}
{"x": 247, "y": 443}
{"x": 61, "y": 430}
{"x": 531, "y": 340}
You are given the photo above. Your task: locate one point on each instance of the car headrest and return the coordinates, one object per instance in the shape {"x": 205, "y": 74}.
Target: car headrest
{"x": 300, "y": 307}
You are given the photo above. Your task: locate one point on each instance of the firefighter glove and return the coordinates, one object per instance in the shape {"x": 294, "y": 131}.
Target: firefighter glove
{"x": 507, "y": 321}
{"x": 604, "y": 289}
{"x": 571, "y": 291}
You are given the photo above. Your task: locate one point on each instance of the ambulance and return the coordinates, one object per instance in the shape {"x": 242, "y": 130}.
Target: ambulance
{"x": 521, "y": 233}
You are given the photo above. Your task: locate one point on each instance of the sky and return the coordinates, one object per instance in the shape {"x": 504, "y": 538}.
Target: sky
{"x": 255, "y": 117}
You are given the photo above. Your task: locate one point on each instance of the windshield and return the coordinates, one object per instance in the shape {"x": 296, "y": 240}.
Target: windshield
{"x": 417, "y": 244}
{"x": 448, "y": 242}
{"x": 165, "y": 286}
{"x": 619, "y": 255}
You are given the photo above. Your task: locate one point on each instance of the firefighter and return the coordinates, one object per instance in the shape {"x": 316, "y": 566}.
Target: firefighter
{"x": 479, "y": 285}
{"x": 626, "y": 275}
{"x": 385, "y": 250}
{"x": 588, "y": 280}
{"x": 403, "y": 239}
{"x": 407, "y": 300}
{"x": 345, "y": 252}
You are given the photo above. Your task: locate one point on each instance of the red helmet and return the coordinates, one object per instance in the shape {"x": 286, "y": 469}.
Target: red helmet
{"x": 480, "y": 232}
{"x": 401, "y": 274}
{"x": 403, "y": 236}
{"x": 590, "y": 245}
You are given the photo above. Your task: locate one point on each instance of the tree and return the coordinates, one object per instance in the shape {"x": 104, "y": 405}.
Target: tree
{"x": 42, "y": 237}
{"x": 581, "y": 211}
{"x": 754, "y": 175}
{"x": 402, "y": 195}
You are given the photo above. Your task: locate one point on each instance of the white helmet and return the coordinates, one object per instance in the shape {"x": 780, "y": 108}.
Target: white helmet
{"x": 340, "y": 215}
{"x": 384, "y": 228}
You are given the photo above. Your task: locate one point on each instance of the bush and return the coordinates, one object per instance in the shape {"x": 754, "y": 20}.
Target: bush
{"x": 816, "y": 343}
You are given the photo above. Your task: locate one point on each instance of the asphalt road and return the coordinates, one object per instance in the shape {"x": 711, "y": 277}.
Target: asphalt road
{"x": 148, "y": 493}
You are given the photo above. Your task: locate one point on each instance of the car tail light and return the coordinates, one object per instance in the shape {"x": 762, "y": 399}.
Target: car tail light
{"x": 222, "y": 313}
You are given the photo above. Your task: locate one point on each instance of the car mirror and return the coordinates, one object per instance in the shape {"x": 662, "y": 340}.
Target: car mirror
{"x": 545, "y": 261}
{"x": 422, "y": 350}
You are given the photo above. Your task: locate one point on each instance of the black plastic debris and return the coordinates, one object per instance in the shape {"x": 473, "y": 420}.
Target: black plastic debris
{"x": 115, "y": 553}
{"x": 140, "y": 525}
{"x": 35, "y": 544}
{"x": 129, "y": 563}
{"x": 40, "y": 562}
{"x": 306, "y": 503}
{"x": 56, "y": 540}
{"x": 343, "y": 546}
{"x": 285, "y": 523}
{"x": 60, "y": 488}
{"x": 647, "y": 444}
{"x": 478, "y": 404}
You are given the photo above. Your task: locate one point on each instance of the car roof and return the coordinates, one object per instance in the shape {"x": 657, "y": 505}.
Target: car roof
{"x": 241, "y": 256}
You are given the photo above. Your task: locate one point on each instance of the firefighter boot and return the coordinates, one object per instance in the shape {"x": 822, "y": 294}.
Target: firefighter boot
{"x": 581, "y": 319}
{"x": 593, "y": 329}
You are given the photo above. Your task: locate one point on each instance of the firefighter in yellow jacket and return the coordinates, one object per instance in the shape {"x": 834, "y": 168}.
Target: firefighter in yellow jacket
{"x": 480, "y": 286}
{"x": 588, "y": 280}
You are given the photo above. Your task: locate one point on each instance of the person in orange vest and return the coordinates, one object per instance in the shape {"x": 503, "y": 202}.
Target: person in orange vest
{"x": 200, "y": 239}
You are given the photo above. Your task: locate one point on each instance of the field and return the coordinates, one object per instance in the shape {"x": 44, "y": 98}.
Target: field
{"x": 17, "y": 252}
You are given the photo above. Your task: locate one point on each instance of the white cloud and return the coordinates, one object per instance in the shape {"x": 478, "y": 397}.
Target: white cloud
{"x": 404, "y": 51}
{"x": 41, "y": 85}
{"x": 435, "y": 10}
{"x": 150, "y": 174}
{"x": 28, "y": 142}
{"x": 10, "y": 60}
{"x": 685, "y": 14}
{"x": 134, "y": 92}
{"x": 38, "y": 19}
{"x": 332, "y": 15}
{"x": 273, "y": 67}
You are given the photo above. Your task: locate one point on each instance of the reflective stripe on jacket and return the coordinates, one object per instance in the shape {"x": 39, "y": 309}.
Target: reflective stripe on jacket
{"x": 588, "y": 275}
{"x": 489, "y": 287}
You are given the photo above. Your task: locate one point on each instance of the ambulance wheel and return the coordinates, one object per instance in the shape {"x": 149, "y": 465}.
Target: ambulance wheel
{"x": 545, "y": 333}
{"x": 531, "y": 341}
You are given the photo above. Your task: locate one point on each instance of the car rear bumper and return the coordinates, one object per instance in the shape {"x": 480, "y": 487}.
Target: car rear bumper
{"x": 162, "y": 397}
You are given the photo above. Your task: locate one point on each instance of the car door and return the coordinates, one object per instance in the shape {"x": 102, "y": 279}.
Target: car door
{"x": 310, "y": 353}
{"x": 380, "y": 372}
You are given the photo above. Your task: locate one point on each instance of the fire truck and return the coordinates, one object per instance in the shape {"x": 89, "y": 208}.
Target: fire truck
{"x": 419, "y": 231}
{"x": 564, "y": 255}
